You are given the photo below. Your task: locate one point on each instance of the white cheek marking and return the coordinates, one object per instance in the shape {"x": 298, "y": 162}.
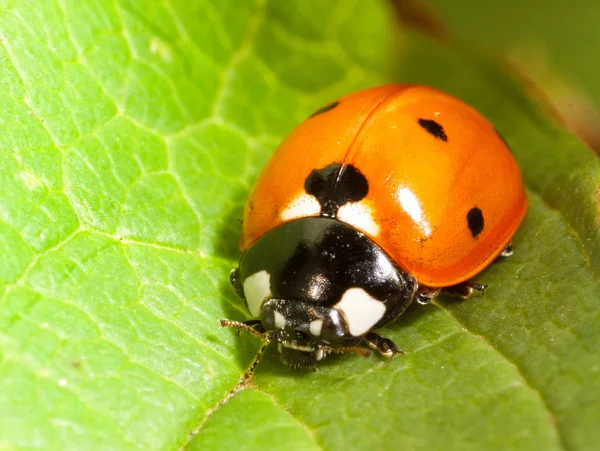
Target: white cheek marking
{"x": 360, "y": 215}
{"x": 303, "y": 205}
{"x": 279, "y": 320}
{"x": 315, "y": 327}
{"x": 361, "y": 310}
{"x": 257, "y": 288}
{"x": 319, "y": 354}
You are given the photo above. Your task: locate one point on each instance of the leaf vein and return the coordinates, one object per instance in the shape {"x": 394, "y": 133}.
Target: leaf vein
{"x": 525, "y": 380}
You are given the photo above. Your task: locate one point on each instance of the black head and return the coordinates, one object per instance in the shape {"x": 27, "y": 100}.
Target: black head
{"x": 318, "y": 285}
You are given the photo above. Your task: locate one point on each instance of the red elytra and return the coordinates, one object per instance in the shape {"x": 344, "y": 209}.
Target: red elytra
{"x": 445, "y": 193}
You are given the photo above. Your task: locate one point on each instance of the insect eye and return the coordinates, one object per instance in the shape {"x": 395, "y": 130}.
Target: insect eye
{"x": 333, "y": 331}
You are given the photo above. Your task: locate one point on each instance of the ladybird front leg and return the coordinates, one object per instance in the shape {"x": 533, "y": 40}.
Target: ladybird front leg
{"x": 465, "y": 289}
{"x": 384, "y": 346}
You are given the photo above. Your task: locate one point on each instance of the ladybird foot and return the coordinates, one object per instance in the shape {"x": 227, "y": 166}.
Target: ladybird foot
{"x": 426, "y": 294}
{"x": 384, "y": 346}
{"x": 508, "y": 251}
{"x": 465, "y": 290}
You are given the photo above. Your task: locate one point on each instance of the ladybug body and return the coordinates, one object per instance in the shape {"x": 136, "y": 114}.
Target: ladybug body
{"x": 383, "y": 197}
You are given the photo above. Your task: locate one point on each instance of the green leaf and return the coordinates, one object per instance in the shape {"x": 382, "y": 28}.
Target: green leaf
{"x": 133, "y": 131}
{"x": 257, "y": 422}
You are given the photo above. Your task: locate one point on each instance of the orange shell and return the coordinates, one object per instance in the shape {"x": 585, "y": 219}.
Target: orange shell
{"x": 421, "y": 187}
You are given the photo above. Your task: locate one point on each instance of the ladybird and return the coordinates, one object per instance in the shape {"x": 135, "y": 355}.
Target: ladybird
{"x": 381, "y": 198}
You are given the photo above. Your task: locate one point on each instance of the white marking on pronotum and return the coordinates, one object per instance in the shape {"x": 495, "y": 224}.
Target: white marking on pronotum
{"x": 279, "y": 320}
{"x": 361, "y": 310}
{"x": 257, "y": 288}
{"x": 315, "y": 327}
{"x": 359, "y": 215}
{"x": 303, "y": 205}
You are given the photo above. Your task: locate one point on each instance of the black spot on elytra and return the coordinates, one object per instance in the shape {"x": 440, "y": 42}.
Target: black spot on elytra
{"x": 325, "y": 109}
{"x": 475, "y": 221}
{"x": 335, "y": 185}
{"x": 433, "y": 128}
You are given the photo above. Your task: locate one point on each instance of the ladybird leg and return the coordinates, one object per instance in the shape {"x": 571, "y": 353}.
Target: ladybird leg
{"x": 355, "y": 349}
{"x": 259, "y": 355}
{"x": 234, "y": 280}
{"x": 253, "y": 327}
{"x": 384, "y": 346}
{"x": 508, "y": 251}
{"x": 465, "y": 290}
{"x": 426, "y": 294}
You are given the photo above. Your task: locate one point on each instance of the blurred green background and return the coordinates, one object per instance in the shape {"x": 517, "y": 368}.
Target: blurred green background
{"x": 555, "y": 43}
